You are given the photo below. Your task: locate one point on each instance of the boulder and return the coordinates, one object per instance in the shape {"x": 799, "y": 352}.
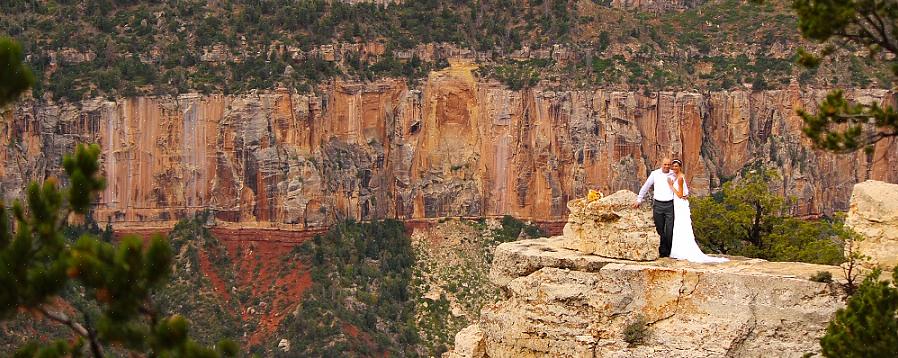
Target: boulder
{"x": 468, "y": 344}
{"x": 612, "y": 228}
{"x": 284, "y": 345}
{"x": 873, "y": 213}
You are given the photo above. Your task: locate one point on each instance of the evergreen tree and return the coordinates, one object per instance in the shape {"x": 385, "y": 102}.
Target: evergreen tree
{"x": 748, "y": 218}
{"x": 37, "y": 263}
{"x": 868, "y": 325}
{"x": 838, "y": 125}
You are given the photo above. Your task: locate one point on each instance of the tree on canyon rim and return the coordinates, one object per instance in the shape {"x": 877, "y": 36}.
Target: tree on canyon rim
{"x": 747, "y": 218}
{"x": 38, "y": 265}
{"x": 840, "y": 126}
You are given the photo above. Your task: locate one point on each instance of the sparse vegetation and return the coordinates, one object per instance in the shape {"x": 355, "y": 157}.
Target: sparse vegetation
{"x": 360, "y": 301}
{"x": 112, "y": 48}
{"x": 822, "y": 276}
{"x": 637, "y": 331}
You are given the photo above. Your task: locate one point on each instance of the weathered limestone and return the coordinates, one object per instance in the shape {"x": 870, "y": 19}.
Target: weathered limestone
{"x": 610, "y": 227}
{"x": 562, "y": 303}
{"x": 874, "y": 215}
{"x": 469, "y": 343}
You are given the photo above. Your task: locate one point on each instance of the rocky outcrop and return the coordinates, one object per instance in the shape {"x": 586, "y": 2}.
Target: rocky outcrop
{"x": 455, "y": 146}
{"x": 608, "y": 227}
{"x": 469, "y": 343}
{"x": 561, "y": 303}
{"x": 874, "y": 215}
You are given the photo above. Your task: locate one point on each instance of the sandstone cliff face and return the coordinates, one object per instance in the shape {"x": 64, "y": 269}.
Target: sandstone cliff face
{"x": 561, "y": 303}
{"x": 455, "y": 146}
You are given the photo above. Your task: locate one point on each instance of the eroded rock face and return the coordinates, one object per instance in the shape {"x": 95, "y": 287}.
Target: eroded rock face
{"x": 469, "y": 343}
{"x": 565, "y": 304}
{"x": 455, "y": 146}
{"x": 874, "y": 214}
{"x": 610, "y": 227}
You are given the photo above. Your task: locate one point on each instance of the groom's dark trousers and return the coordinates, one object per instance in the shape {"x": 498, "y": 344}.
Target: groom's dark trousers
{"x": 663, "y": 213}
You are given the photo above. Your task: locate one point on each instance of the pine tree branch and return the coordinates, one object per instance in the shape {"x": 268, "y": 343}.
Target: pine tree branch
{"x": 889, "y": 42}
{"x": 63, "y": 319}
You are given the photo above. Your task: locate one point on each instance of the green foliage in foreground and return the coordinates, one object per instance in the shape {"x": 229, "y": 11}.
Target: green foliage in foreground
{"x": 37, "y": 264}
{"x": 838, "y": 125}
{"x": 15, "y": 76}
{"x": 748, "y": 219}
{"x": 868, "y": 325}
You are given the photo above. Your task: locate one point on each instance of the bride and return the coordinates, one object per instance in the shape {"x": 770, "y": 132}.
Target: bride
{"x": 684, "y": 246}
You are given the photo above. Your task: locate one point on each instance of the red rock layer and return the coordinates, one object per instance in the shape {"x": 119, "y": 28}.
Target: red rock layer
{"x": 453, "y": 147}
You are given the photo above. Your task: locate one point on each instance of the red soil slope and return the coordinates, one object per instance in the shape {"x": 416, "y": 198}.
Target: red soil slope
{"x": 260, "y": 261}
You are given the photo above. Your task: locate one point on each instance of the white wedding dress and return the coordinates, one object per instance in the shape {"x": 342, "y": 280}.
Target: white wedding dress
{"x": 684, "y": 246}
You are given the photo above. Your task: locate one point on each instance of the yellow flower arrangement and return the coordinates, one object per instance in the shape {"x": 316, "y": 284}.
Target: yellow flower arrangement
{"x": 594, "y": 195}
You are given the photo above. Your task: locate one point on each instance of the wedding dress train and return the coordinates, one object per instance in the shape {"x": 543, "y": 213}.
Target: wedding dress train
{"x": 684, "y": 246}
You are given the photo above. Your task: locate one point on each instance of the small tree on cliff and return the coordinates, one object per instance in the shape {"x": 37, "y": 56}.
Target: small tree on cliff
{"x": 745, "y": 211}
{"x": 37, "y": 263}
{"x": 838, "y": 125}
{"x": 868, "y": 325}
{"x": 747, "y": 218}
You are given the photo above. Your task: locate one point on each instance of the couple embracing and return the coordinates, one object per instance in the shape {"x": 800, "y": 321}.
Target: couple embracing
{"x": 670, "y": 210}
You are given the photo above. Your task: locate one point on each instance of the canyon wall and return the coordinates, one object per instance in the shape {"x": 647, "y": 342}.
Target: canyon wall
{"x": 453, "y": 146}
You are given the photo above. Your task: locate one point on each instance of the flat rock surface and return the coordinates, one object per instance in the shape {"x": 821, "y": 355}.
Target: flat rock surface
{"x": 520, "y": 258}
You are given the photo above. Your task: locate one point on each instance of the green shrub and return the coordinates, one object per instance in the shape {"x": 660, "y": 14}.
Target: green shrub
{"x": 867, "y": 326}
{"x": 512, "y": 229}
{"x": 637, "y": 331}
{"x": 822, "y": 276}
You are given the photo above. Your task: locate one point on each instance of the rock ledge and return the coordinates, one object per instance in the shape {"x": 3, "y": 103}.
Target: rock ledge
{"x": 563, "y": 303}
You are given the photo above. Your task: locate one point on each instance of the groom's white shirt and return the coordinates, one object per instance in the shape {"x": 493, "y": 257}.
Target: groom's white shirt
{"x": 658, "y": 182}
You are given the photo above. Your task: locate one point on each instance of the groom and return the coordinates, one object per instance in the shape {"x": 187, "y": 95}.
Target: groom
{"x": 662, "y": 205}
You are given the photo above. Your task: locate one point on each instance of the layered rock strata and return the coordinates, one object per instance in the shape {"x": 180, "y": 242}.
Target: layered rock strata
{"x": 562, "y": 303}
{"x": 874, "y": 215}
{"x": 608, "y": 227}
{"x": 455, "y": 146}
